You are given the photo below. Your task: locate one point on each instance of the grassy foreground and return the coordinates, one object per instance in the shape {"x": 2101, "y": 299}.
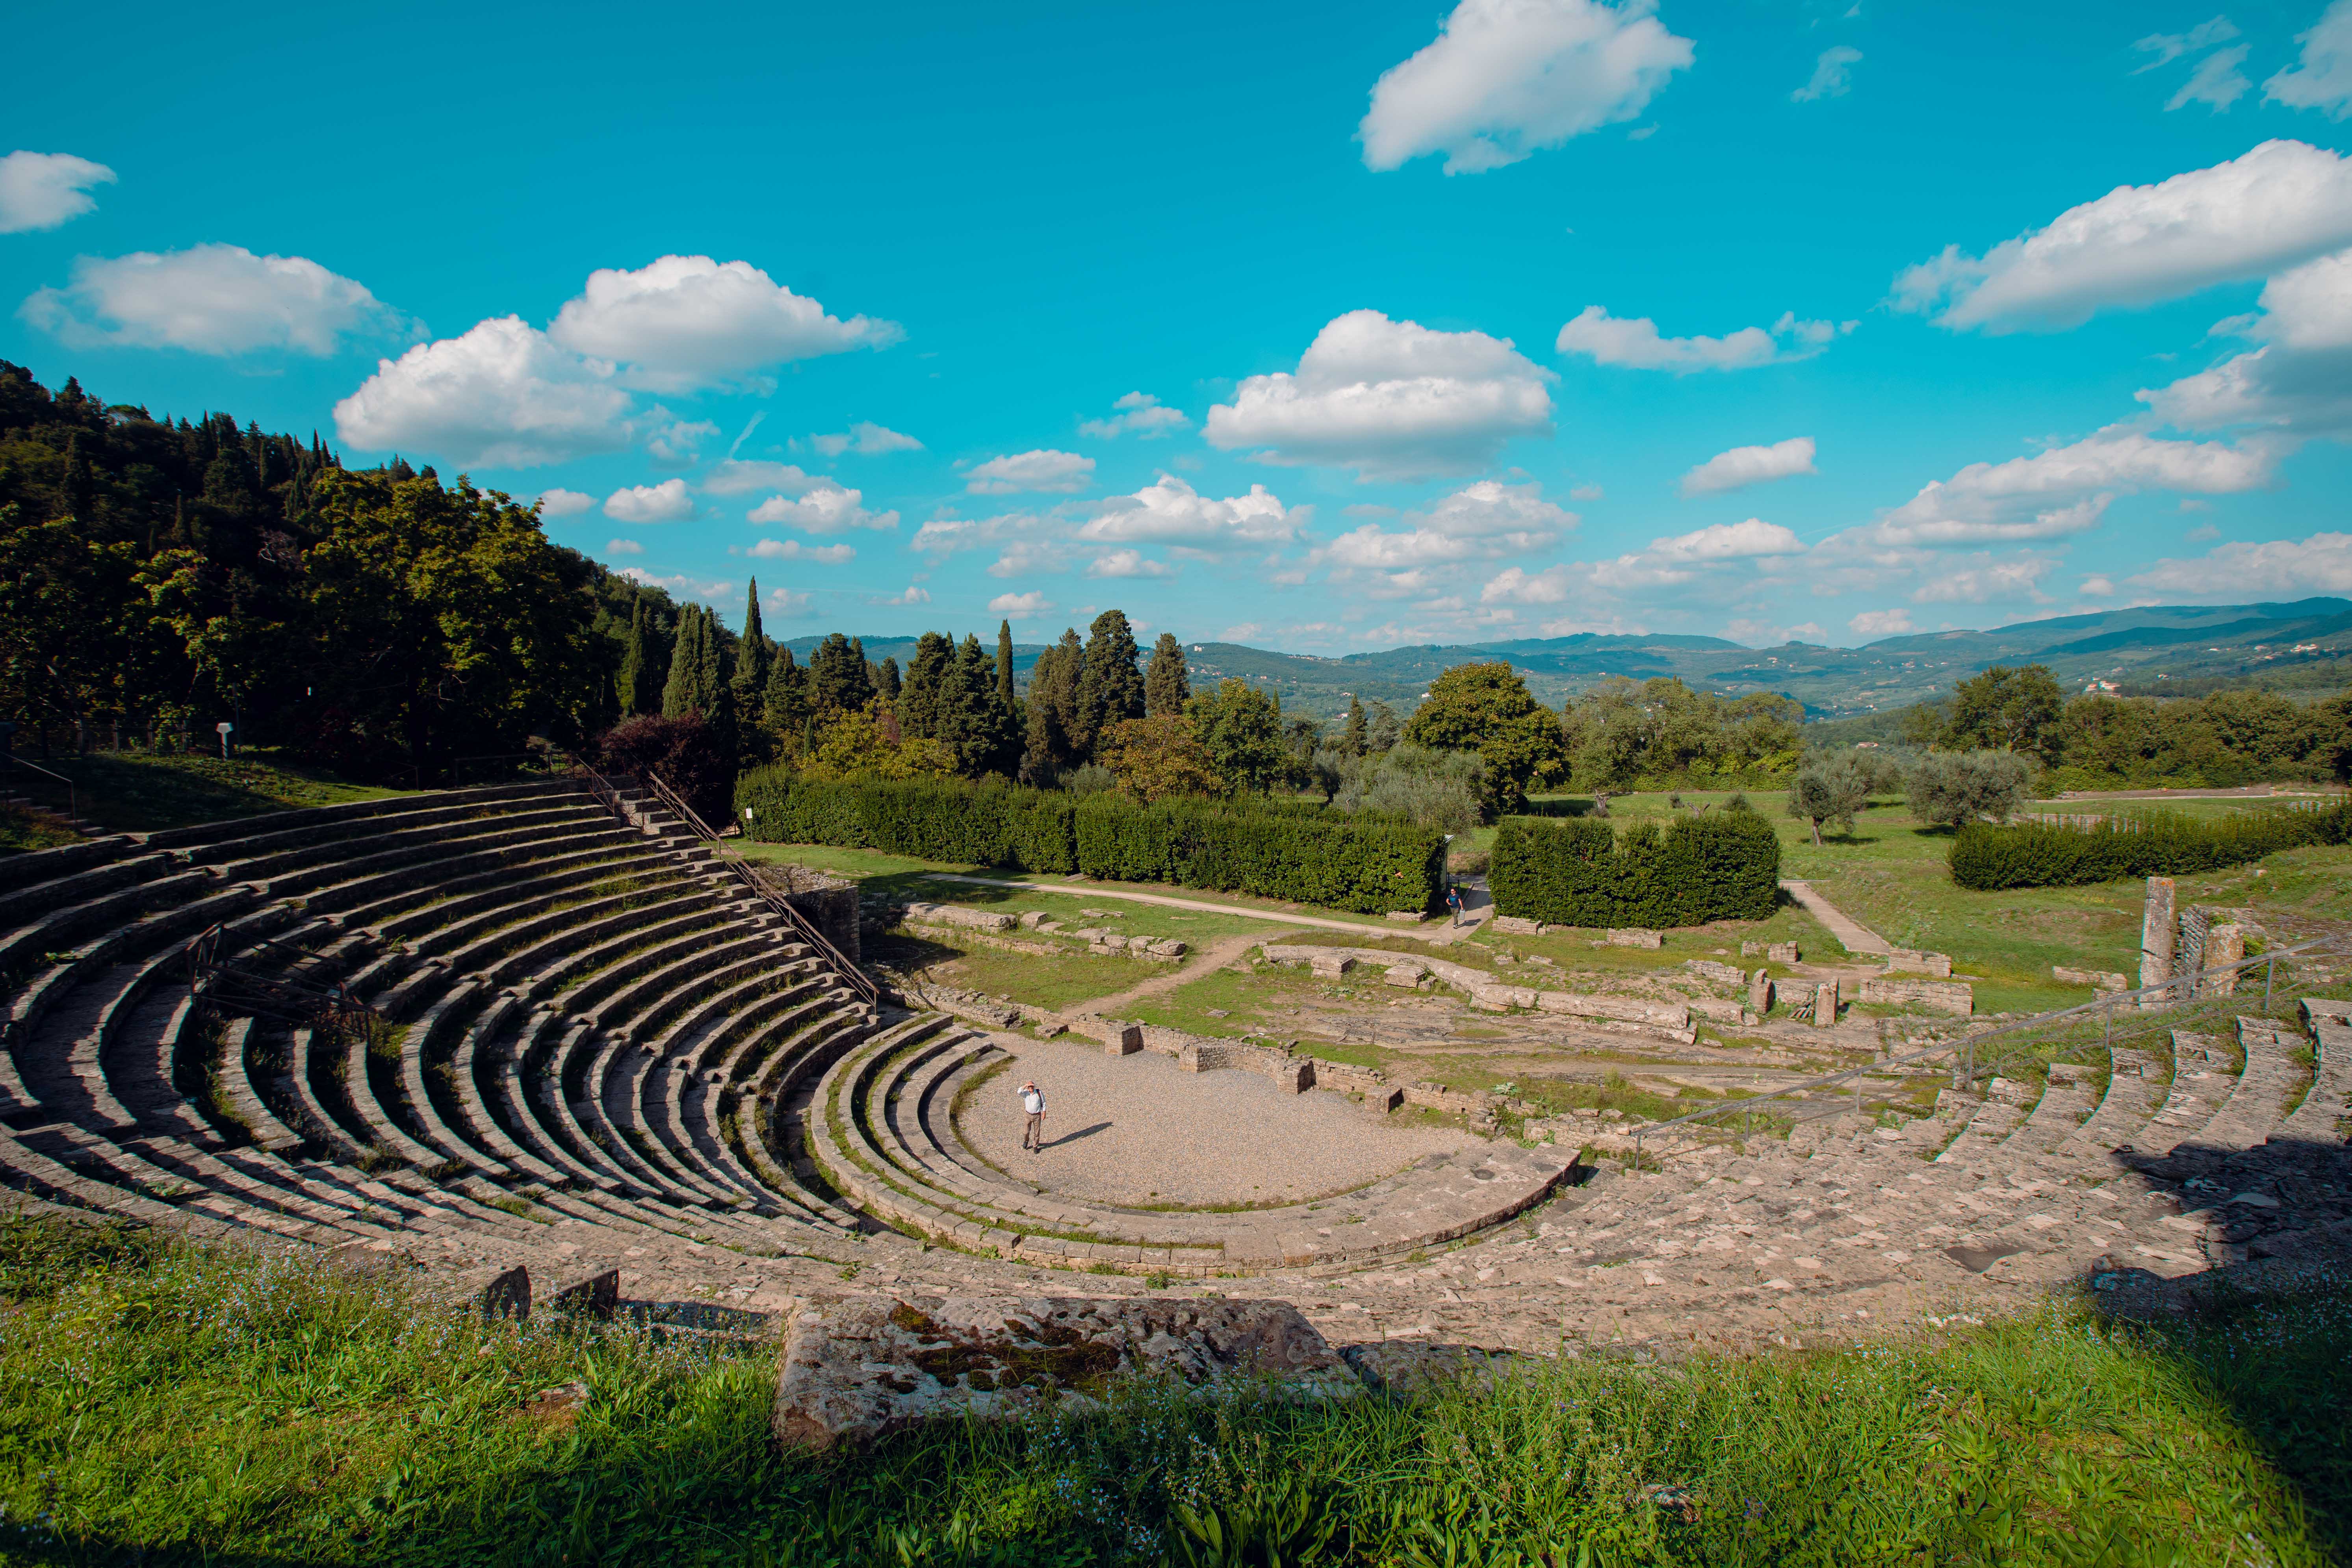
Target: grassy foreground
{"x": 164, "y": 1402}
{"x": 139, "y": 792}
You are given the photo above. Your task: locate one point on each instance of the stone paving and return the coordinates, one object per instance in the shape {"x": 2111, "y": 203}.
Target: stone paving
{"x": 1137, "y": 1130}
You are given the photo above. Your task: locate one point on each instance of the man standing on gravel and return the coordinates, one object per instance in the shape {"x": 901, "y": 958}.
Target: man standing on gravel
{"x": 1032, "y": 1136}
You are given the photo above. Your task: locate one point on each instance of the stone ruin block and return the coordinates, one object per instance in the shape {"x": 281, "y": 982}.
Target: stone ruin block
{"x": 1781, "y": 952}
{"x": 1825, "y": 1003}
{"x": 858, "y": 1368}
{"x": 2100, "y": 979}
{"x": 1297, "y": 1076}
{"x": 597, "y": 1297}
{"x": 2159, "y": 932}
{"x": 1518, "y": 925}
{"x": 1166, "y": 947}
{"x": 1031, "y": 919}
{"x": 958, "y": 915}
{"x": 1759, "y": 993}
{"x": 1125, "y": 1040}
{"x": 2224, "y": 945}
{"x": 1382, "y": 1101}
{"x": 1408, "y": 917}
{"x": 1721, "y": 973}
{"x": 1331, "y": 965}
{"x": 1637, "y": 937}
{"x": 825, "y": 901}
{"x": 1405, "y": 976}
{"x": 508, "y": 1295}
{"x": 1952, "y": 996}
{"x": 1910, "y": 961}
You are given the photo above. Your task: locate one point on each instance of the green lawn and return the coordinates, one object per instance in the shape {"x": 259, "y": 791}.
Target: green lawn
{"x": 161, "y": 1401}
{"x": 134, "y": 792}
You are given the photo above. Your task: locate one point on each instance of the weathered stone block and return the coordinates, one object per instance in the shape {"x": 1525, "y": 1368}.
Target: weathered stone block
{"x": 2159, "y": 932}
{"x": 2103, "y": 979}
{"x": 1635, "y": 937}
{"x": 1381, "y": 1101}
{"x": 1825, "y": 1003}
{"x": 1031, "y": 919}
{"x": 1910, "y": 961}
{"x": 857, "y": 1368}
{"x": 1331, "y": 965}
{"x": 1952, "y": 996}
{"x": 1406, "y": 976}
{"x": 1781, "y": 952}
{"x": 1296, "y": 1077}
{"x": 1759, "y": 993}
{"x": 1126, "y": 1042}
{"x": 1518, "y": 925}
{"x": 595, "y": 1297}
{"x": 1722, "y": 973}
{"x": 2224, "y": 945}
{"x": 1168, "y": 947}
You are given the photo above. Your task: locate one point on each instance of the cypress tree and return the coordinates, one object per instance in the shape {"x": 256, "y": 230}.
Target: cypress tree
{"x": 1053, "y": 709}
{"x": 713, "y": 694}
{"x": 1110, "y": 686}
{"x": 752, "y": 657}
{"x": 1353, "y": 739}
{"x": 888, "y": 683}
{"x": 1166, "y": 683}
{"x": 838, "y": 677}
{"x": 633, "y": 686}
{"x": 784, "y": 707}
{"x": 1004, "y": 666}
{"x": 684, "y": 658}
{"x": 918, "y": 697}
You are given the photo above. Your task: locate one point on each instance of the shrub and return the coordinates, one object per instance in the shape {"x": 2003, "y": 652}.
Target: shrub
{"x": 1829, "y": 790}
{"x": 2039, "y": 855}
{"x": 1723, "y": 866}
{"x": 1435, "y": 789}
{"x": 686, "y": 752}
{"x": 1272, "y": 849}
{"x": 1952, "y": 789}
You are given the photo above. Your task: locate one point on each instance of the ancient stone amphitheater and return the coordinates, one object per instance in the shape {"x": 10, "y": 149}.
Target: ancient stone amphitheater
{"x": 544, "y": 1027}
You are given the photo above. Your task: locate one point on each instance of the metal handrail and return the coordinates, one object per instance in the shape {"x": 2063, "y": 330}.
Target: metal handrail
{"x": 1966, "y": 1075}
{"x": 222, "y": 986}
{"x": 73, "y": 799}
{"x": 802, "y": 925}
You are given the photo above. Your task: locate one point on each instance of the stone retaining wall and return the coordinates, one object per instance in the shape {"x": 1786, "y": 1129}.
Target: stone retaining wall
{"x": 1951, "y": 996}
{"x": 1669, "y": 1018}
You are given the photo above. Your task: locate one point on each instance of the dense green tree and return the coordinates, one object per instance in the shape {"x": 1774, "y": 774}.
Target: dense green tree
{"x": 1830, "y": 789}
{"x": 680, "y": 696}
{"x": 635, "y": 681}
{"x": 1167, "y": 683}
{"x": 1951, "y": 789}
{"x": 753, "y": 654}
{"x": 1355, "y": 738}
{"x": 2012, "y": 710}
{"x": 1159, "y": 757}
{"x": 1240, "y": 729}
{"x": 1052, "y": 712}
{"x": 1485, "y": 709}
{"x": 886, "y": 680}
{"x": 1110, "y": 687}
{"x": 839, "y": 680}
{"x": 1004, "y": 693}
{"x": 919, "y": 695}
{"x": 784, "y": 707}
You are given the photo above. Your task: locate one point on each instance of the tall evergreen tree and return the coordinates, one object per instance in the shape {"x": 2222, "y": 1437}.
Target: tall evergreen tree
{"x": 752, "y": 657}
{"x": 1110, "y": 688}
{"x": 1004, "y": 667}
{"x": 1354, "y": 738}
{"x": 1053, "y": 710}
{"x": 713, "y": 691}
{"x": 633, "y": 688}
{"x": 886, "y": 683}
{"x": 838, "y": 677}
{"x": 1166, "y": 682}
{"x": 919, "y": 696}
{"x": 684, "y": 655}
{"x": 784, "y": 707}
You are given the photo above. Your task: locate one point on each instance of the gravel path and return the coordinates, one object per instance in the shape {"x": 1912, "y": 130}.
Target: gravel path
{"x": 1850, "y": 932}
{"x": 1137, "y": 1130}
{"x": 1435, "y": 931}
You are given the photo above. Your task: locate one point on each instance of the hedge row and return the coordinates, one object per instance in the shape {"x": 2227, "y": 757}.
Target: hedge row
{"x": 1724, "y": 866}
{"x": 2165, "y": 844}
{"x": 1275, "y": 850}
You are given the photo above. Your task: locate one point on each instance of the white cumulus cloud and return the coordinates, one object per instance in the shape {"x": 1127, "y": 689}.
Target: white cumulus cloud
{"x": 914, "y": 594}
{"x": 2065, "y": 490}
{"x": 2299, "y": 381}
{"x": 1752, "y": 465}
{"x": 2281, "y": 203}
{"x": 502, "y": 395}
{"x": 43, "y": 190}
{"x": 563, "y": 503}
{"x": 2278, "y": 568}
{"x": 866, "y": 439}
{"x": 1505, "y": 79}
{"x": 733, "y": 478}
{"x": 2321, "y": 77}
{"x": 1139, "y": 414}
{"x": 1021, "y": 606}
{"x": 1128, "y": 563}
{"x": 1170, "y": 511}
{"x": 1728, "y": 541}
{"x": 1881, "y": 624}
{"x": 1987, "y": 580}
{"x": 825, "y": 508}
{"x": 1832, "y": 75}
{"x": 1483, "y": 522}
{"x": 669, "y": 501}
{"x": 1390, "y": 399}
{"x": 685, "y": 321}
{"x": 208, "y": 299}
{"x": 793, "y": 550}
{"x": 1636, "y": 344}
{"x": 1039, "y": 471}
{"x": 624, "y": 547}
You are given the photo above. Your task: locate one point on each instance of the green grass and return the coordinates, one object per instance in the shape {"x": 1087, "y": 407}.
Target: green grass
{"x": 34, "y": 829}
{"x": 165, "y": 1403}
{"x": 1043, "y": 981}
{"x": 135, "y": 792}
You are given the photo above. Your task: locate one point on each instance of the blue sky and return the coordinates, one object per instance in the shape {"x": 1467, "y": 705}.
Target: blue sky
{"x": 1324, "y": 328}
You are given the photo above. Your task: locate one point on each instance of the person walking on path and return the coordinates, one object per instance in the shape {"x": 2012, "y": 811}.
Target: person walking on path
{"x": 1032, "y": 1136}
{"x": 1453, "y": 903}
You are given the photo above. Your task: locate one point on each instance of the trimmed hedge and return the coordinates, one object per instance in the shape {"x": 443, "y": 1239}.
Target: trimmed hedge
{"x": 2160, "y": 844}
{"x": 1301, "y": 852}
{"x": 1724, "y": 866}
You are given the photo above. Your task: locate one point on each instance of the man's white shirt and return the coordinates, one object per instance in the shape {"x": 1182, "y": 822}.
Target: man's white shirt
{"x": 1032, "y": 1101}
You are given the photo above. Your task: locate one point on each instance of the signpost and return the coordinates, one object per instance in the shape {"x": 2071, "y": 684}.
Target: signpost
{"x": 223, "y": 727}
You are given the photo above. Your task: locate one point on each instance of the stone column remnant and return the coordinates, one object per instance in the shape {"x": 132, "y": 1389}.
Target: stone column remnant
{"x": 1759, "y": 993}
{"x": 2224, "y": 945}
{"x": 2158, "y": 930}
{"x": 1825, "y": 1003}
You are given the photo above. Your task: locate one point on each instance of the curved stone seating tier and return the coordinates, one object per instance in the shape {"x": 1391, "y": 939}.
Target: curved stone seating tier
{"x": 2322, "y": 1115}
{"x": 510, "y": 936}
{"x": 863, "y": 1126}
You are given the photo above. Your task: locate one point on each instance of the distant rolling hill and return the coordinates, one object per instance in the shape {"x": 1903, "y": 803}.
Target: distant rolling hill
{"x": 2143, "y": 647}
